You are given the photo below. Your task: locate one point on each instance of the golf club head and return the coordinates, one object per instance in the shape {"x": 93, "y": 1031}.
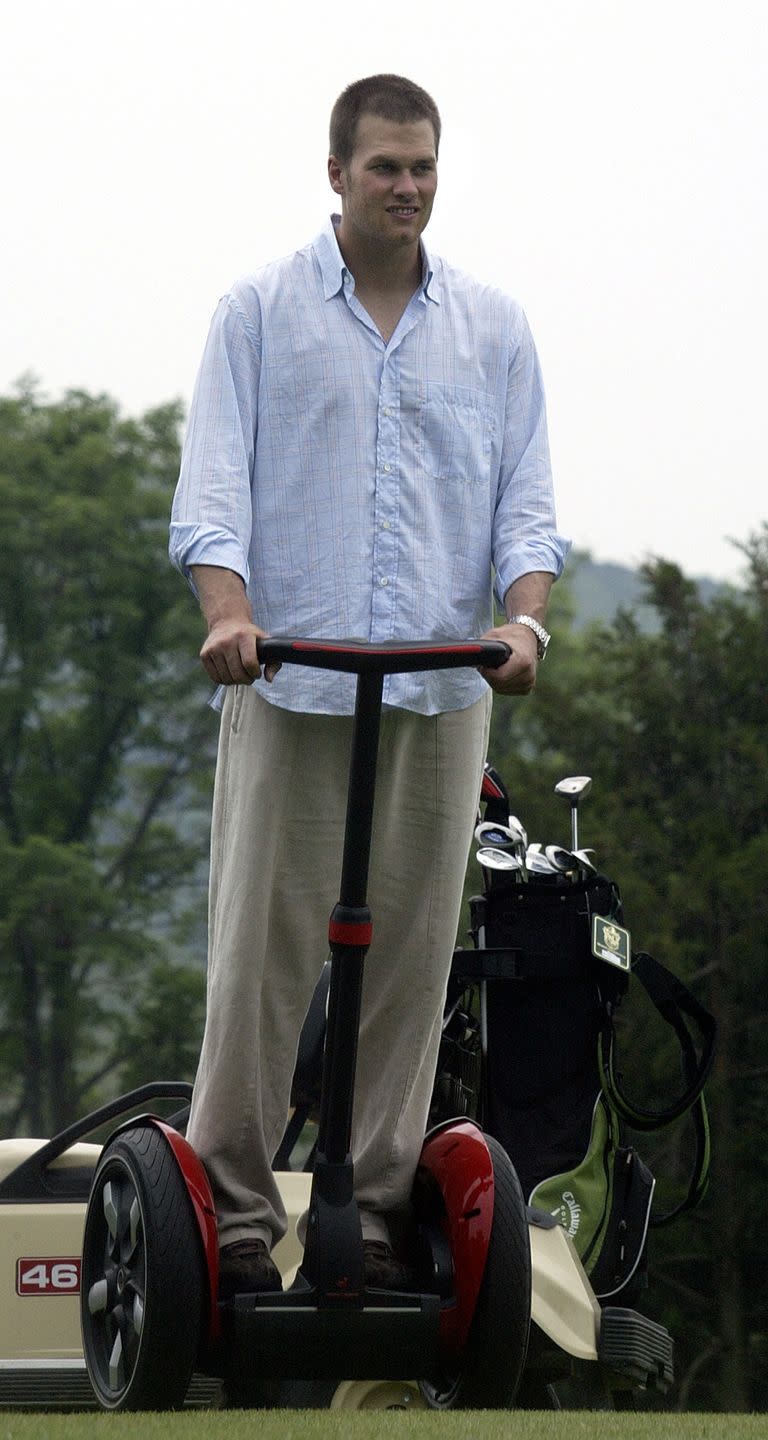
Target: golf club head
{"x": 569, "y": 861}
{"x": 493, "y": 859}
{"x": 574, "y": 787}
{"x": 560, "y": 859}
{"x": 538, "y": 864}
{"x": 518, "y": 830}
{"x": 498, "y": 836}
{"x": 502, "y": 837}
{"x": 583, "y": 857}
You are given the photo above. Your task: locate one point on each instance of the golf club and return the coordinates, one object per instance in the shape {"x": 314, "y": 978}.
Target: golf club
{"x": 537, "y": 862}
{"x": 510, "y": 837}
{"x": 573, "y": 788}
{"x": 569, "y": 862}
{"x": 491, "y": 858}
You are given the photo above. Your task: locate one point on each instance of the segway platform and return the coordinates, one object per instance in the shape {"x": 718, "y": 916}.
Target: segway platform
{"x": 401, "y": 1331}
{"x": 150, "y": 1312}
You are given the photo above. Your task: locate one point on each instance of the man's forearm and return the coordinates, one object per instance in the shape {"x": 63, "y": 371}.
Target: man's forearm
{"x": 221, "y": 593}
{"x": 529, "y": 594}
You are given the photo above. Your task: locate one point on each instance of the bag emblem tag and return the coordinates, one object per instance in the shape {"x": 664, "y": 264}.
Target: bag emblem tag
{"x": 611, "y": 942}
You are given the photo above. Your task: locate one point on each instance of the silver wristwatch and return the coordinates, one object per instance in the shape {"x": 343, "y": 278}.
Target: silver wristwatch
{"x": 543, "y": 637}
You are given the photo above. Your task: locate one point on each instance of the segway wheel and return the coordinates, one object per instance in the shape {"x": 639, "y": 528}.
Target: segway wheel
{"x": 488, "y": 1373}
{"x": 143, "y": 1286}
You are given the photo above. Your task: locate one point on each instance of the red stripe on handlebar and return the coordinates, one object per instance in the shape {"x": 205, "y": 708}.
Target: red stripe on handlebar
{"x": 386, "y": 649}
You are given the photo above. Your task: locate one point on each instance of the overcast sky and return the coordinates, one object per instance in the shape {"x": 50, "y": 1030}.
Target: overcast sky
{"x": 602, "y": 160}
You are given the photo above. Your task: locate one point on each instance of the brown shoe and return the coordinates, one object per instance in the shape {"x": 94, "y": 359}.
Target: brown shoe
{"x": 246, "y": 1266}
{"x": 383, "y": 1270}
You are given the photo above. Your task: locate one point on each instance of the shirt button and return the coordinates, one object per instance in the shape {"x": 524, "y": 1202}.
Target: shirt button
{"x": 385, "y": 525}
{"x": 383, "y": 580}
{"x": 387, "y": 469}
{"x": 387, "y": 410}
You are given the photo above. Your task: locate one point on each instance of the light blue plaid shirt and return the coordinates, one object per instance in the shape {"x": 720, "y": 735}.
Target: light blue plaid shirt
{"x": 364, "y": 489}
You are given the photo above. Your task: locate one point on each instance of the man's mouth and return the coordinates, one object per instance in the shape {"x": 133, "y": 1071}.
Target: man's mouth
{"x": 402, "y": 209}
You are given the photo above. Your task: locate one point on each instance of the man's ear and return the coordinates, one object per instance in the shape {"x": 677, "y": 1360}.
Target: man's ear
{"x": 336, "y": 175}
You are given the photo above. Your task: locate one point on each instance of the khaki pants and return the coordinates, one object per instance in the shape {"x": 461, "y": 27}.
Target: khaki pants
{"x": 278, "y": 822}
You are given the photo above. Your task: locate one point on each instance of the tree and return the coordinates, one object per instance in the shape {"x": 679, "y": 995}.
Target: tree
{"x": 673, "y": 727}
{"x": 105, "y": 744}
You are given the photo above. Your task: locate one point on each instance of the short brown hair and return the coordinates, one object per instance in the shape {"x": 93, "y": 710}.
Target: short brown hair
{"x": 392, "y": 97}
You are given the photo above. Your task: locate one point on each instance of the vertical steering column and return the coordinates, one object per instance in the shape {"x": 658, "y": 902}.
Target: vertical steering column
{"x": 333, "y": 1259}
{"x": 350, "y": 927}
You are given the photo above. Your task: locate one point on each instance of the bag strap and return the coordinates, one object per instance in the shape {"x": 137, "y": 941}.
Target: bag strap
{"x": 674, "y": 1002}
{"x": 699, "y": 1178}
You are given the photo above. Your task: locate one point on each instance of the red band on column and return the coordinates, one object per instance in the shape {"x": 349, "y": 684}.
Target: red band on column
{"x": 354, "y": 932}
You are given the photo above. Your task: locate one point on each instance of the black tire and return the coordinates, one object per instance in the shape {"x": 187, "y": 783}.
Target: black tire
{"x": 143, "y": 1290}
{"x": 489, "y": 1372}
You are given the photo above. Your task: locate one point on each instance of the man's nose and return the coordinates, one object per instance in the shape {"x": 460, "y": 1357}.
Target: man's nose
{"x": 405, "y": 184}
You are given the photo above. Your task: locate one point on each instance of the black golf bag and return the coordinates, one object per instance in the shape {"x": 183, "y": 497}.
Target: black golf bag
{"x": 529, "y": 1048}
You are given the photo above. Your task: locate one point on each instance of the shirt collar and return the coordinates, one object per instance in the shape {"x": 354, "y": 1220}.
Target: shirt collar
{"x": 333, "y": 270}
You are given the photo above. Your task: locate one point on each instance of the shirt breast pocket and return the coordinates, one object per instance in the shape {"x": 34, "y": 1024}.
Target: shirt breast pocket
{"x": 455, "y": 434}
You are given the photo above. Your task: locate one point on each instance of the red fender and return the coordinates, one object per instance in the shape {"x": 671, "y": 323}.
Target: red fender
{"x": 460, "y": 1165}
{"x": 199, "y": 1191}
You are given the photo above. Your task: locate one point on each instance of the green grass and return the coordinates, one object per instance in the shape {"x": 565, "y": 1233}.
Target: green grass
{"x": 381, "y": 1425}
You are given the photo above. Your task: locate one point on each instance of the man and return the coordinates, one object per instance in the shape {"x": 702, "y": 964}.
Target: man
{"x": 367, "y": 438}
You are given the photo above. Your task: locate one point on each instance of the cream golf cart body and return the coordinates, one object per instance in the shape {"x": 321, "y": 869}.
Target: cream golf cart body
{"x": 44, "y": 1186}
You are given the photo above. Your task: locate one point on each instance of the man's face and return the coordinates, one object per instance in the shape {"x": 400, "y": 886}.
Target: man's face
{"x": 388, "y": 187}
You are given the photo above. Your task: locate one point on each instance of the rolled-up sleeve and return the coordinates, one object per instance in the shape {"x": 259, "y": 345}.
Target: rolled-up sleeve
{"x": 211, "y": 518}
{"x": 525, "y": 536}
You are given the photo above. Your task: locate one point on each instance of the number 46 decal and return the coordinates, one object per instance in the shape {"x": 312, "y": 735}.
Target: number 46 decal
{"x": 49, "y": 1275}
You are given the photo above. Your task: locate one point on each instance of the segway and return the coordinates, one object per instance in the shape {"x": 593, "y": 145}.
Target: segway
{"x": 150, "y": 1310}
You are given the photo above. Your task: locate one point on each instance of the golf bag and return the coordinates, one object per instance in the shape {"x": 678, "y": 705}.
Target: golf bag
{"x": 529, "y": 1048}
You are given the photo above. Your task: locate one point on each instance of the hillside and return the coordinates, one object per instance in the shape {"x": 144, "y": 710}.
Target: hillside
{"x": 600, "y": 588}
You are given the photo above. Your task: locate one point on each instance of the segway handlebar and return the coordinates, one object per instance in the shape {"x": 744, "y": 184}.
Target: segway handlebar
{"x": 359, "y": 657}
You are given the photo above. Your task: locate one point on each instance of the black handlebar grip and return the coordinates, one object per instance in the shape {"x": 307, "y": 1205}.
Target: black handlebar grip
{"x": 396, "y": 657}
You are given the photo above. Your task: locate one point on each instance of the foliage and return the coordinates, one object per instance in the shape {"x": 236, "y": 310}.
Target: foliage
{"x": 673, "y": 728}
{"x": 105, "y": 743}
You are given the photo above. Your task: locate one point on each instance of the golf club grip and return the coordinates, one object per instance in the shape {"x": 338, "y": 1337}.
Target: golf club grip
{"x": 362, "y": 658}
